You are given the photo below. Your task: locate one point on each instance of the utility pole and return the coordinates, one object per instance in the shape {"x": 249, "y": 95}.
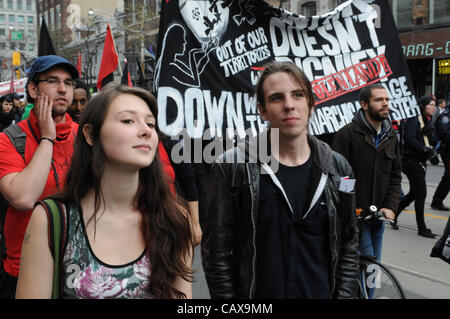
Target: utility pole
{"x": 142, "y": 35}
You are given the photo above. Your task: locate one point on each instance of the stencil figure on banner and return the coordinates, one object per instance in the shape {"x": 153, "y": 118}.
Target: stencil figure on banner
{"x": 186, "y": 69}
{"x": 41, "y": 169}
{"x": 124, "y": 225}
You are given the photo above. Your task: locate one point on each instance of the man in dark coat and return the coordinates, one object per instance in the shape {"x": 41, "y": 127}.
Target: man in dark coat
{"x": 371, "y": 147}
{"x": 284, "y": 230}
{"x": 442, "y": 127}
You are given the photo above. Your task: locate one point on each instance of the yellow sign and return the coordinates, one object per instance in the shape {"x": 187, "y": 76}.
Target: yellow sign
{"x": 16, "y": 58}
{"x": 18, "y": 74}
{"x": 444, "y": 66}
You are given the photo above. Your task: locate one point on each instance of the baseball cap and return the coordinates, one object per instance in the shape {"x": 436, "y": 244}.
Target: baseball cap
{"x": 16, "y": 96}
{"x": 46, "y": 62}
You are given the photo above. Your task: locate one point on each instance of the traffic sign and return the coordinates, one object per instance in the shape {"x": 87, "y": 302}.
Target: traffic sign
{"x": 16, "y": 58}
{"x": 16, "y": 35}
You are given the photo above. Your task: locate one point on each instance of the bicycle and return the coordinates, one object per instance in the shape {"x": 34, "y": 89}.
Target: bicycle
{"x": 375, "y": 278}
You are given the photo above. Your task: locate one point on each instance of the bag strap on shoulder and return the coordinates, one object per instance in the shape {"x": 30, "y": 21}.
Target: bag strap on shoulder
{"x": 57, "y": 232}
{"x": 17, "y": 137}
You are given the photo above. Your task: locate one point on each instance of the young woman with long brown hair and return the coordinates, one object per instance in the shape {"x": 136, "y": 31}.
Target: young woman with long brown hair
{"x": 128, "y": 235}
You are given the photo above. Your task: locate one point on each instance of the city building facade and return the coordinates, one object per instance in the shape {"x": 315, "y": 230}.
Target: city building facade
{"x": 424, "y": 30}
{"x": 141, "y": 39}
{"x": 79, "y": 26}
{"x": 18, "y": 33}
{"x": 78, "y": 29}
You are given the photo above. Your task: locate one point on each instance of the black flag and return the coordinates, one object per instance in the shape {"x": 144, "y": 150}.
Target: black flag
{"x": 45, "y": 41}
{"x": 141, "y": 81}
{"x": 126, "y": 78}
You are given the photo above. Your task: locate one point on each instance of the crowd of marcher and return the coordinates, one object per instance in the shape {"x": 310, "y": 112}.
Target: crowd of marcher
{"x": 276, "y": 227}
{"x": 11, "y": 109}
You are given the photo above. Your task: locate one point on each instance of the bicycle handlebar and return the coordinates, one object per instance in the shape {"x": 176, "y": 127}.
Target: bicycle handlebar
{"x": 375, "y": 213}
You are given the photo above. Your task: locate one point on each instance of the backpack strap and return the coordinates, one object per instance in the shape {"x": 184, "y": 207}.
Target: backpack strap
{"x": 17, "y": 137}
{"x": 57, "y": 233}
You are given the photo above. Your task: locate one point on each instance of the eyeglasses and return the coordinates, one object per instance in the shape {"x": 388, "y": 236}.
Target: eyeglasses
{"x": 55, "y": 82}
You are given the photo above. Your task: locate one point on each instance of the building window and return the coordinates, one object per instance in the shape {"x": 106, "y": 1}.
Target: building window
{"x": 158, "y": 7}
{"x": 19, "y": 5}
{"x": 51, "y": 19}
{"x": 30, "y": 19}
{"x": 2, "y": 46}
{"x": 58, "y": 16}
{"x": 20, "y": 19}
{"x": 134, "y": 9}
{"x": 2, "y": 32}
{"x": 2, "y": 18}
{"x": 408, "y": 13}
{"x": 441, "y": 11}
{"x": 29, "y": 5}
{"x": 31, "y": 47}
{"x": 1, "y": 4}
{"x": 338, "y": 2}
{"x": 404, "y": 12}
{"x": 12, "y": 18}
{"x": 309, "y": 9}
{"x": 12, "y": 45}
{"x": 22, "y": 46}
{"x": 31, "y": 33}
{"x": 10, "y": 4}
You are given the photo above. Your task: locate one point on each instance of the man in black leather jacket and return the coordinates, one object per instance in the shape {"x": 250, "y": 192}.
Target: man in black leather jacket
{"x": 278, "y": 226}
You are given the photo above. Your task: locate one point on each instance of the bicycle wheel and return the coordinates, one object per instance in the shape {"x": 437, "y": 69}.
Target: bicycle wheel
{"x": 380, "y": 283}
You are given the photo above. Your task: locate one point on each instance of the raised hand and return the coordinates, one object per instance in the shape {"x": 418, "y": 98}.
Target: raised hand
{"x": 43, "y": 110}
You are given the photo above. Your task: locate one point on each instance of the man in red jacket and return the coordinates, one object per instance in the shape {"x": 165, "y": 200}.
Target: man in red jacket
{"x": 50, "y": 135}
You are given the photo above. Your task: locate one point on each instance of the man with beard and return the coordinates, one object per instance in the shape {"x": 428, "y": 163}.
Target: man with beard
{"x": 81, "y": 97}
{"x": 41, "y": 170}
{"x": 372, "y": 149}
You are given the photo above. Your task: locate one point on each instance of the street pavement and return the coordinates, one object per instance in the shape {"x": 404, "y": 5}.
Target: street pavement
{"x": 404, "y": 252}
{"x": 408, "y": 255}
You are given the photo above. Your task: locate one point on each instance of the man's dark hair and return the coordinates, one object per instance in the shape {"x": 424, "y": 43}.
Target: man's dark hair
{"x": 366, "y": 92}
{"x": 79, "y": 84}
{"x": 289, "y": 68}
{"x": 34, "y": 80}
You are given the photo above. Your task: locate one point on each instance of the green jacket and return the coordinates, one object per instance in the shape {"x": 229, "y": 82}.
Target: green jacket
{"x": 27, "y": 111}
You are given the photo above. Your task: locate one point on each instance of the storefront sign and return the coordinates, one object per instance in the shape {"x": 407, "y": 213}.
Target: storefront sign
{"x": 432, "y": 44}
{"x": 444, "y": 66}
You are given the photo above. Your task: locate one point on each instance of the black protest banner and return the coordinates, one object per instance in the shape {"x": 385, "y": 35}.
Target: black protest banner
{"x": 210, "y": 53}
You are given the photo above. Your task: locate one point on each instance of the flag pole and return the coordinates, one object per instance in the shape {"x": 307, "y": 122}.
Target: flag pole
{"x": 114, "y": 42}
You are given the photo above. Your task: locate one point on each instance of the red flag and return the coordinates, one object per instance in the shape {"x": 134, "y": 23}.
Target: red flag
{"x": 79, "y": 64}
{"x": 110, "y": 60}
